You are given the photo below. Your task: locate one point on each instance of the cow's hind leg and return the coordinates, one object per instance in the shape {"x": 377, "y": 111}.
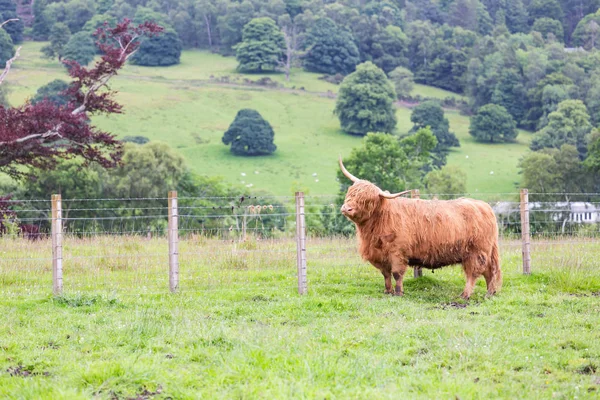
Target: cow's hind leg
{"x": 472, "y": 267}
{"x": 493, "y": 273}
{"x": 489, "y": 281}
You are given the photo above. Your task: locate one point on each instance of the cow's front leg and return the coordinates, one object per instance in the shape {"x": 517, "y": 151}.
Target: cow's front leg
{"x": 386, "y": 271}
{"x": 387, "y": 275}
{"x": 398, "y": 270}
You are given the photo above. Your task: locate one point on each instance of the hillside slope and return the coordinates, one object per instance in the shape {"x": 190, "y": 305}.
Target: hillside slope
{"x": 185, "y": 106}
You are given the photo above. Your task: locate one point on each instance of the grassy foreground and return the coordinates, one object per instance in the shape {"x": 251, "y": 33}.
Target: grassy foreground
{"x": 182, "y": 106}
{"x": 238, "y": 329}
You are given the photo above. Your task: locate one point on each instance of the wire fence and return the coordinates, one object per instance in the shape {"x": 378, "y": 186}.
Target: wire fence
{"x": 149, "y": 245}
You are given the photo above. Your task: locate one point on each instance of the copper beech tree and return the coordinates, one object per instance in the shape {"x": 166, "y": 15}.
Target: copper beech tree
{"x": 38, "y": 135}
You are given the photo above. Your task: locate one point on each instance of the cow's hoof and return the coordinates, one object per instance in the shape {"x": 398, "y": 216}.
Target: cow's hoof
{"x": 398, "y": 293}
{"x": 388, "y": 292}
{"x": 464, "y": 296}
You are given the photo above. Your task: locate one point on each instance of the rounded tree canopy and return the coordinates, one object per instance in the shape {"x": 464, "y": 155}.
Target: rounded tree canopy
{"x": 331, "y": 50}
{"x": 160, "y": 50}
{"x": 545, "y": 26}
{"x": 262, "y": 46}
{"x": 493, "y": 124}
{"x": 587, "y": 32}
{"x": 403, "y": 80}
{"x": 54, "y": 92}
{"x": 366, "y": 101}
{"x": 250, "y": 134}
{"x": 80, "y": 48}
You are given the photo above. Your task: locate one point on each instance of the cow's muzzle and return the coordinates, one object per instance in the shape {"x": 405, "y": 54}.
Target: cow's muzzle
{"x": 346, "y": 210}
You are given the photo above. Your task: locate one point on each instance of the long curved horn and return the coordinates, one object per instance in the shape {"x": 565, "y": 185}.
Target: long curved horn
{"x": 392, "y": 196}
{"x": 345, "y": 171}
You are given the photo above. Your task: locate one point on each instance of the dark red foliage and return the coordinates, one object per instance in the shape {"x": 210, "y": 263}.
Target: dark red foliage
{"x": 38, "y": 135}
{"x": 29, "y": 231}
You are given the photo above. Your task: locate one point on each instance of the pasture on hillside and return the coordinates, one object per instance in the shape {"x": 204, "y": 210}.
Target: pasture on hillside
{"x": 238, "y": 328}
{"x": 182, "y": 106}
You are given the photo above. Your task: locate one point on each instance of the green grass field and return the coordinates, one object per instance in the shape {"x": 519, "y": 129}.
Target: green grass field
{"x": 181, "y": 106}
{"x": 238, "y": 328}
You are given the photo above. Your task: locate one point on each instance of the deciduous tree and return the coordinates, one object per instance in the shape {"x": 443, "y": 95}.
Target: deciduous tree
{"x": 262, "y": 46}
{"x": 493, "y": 123}
{"x": 80, "y": 48}
{"x": 59, "y": 37}
{"x": 366, "y": 101}
{"x": 53, "y": 92}
{"x": 547, "y": 26}
{"x": 330, "y": 49}
{"x": 554, "y": 170}
{"x": 159, "y": 51}
{"x": 545, "y": 8}
{"x": 403, "y": 81}
{"x": 446, "y": 182}
{"x": 569, "y": 124}
{"x": 37, "y": 135}
{"x": 233, "y": 21}
{"x": 587, "y": 32}
{"x": 431, "y": 114}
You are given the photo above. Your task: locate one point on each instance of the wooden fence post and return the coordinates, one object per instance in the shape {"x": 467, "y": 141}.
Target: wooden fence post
{"x": 525, "y": 235}
{"x": 57, "y": 238}
{"x": 301, "y": 243}
{"x": 173, "y": 236}
{"x": 415, "y": 194}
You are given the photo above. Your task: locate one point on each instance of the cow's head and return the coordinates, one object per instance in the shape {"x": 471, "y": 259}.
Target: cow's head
{"x": 363, "y": 198}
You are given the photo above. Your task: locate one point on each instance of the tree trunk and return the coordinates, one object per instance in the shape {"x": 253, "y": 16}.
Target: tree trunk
{"x": 288, "y": 63}
{"x": 289, "y": 35}
{"x": 207, "y": 22}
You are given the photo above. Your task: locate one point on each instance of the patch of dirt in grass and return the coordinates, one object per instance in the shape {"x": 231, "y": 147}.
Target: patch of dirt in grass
{"x": 51, "y": 345}
{"x": 146, "y": 394}
{"x": 24, "y": 372}
{"x": 260, "y": 297}
{"x": 593, "y": 294}
{"x": 453, "y": 304}
{"x": 587, "y": 369}
{"x": 571, "y": 344}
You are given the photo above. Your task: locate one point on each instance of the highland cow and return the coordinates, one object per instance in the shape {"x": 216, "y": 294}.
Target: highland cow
{"x": 395, "y": 233}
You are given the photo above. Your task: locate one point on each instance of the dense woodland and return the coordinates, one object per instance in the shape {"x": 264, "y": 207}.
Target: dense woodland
{"x": 521, "y": 64}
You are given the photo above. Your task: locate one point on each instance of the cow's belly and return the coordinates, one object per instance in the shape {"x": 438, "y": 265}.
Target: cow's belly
{"x": 433, "y": 264}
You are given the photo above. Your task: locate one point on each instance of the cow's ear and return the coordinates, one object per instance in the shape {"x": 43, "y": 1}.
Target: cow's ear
{"x": 388, "y": 238}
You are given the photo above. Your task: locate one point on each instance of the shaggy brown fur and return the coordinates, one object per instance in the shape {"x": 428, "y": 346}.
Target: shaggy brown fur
{"x": 396, "y": 233}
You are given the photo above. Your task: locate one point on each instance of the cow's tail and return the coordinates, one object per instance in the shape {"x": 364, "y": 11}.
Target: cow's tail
{"x": 495, "y": 271}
